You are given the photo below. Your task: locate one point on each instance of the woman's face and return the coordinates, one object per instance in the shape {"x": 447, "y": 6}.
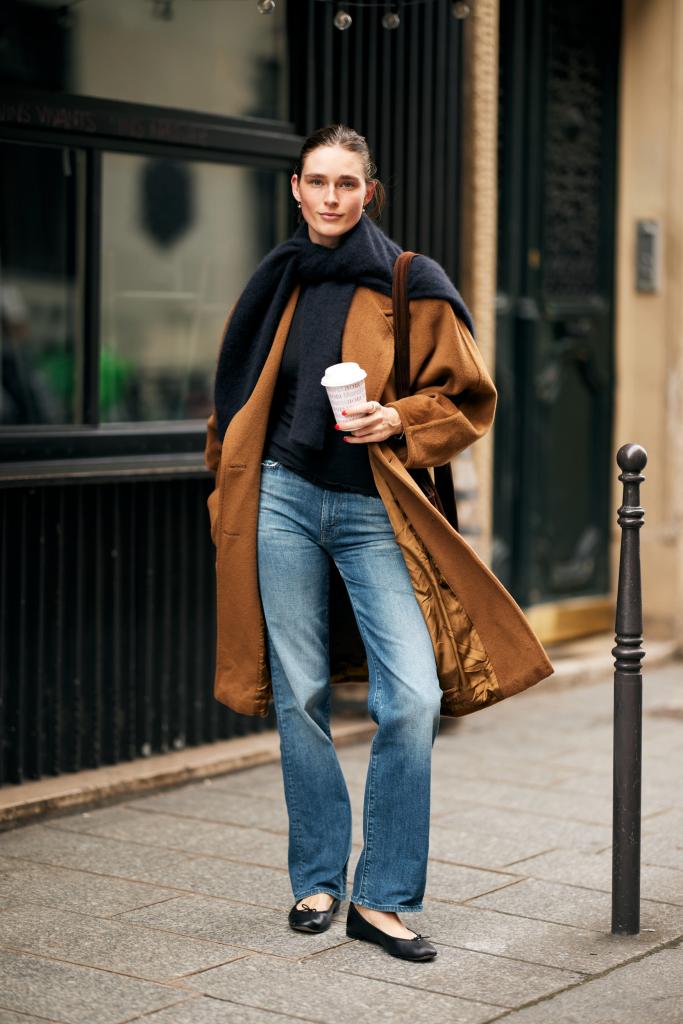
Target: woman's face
{"x": 332, "y": 192}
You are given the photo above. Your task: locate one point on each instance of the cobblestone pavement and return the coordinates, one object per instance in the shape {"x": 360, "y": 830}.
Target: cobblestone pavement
{"x": 172, "y": 908}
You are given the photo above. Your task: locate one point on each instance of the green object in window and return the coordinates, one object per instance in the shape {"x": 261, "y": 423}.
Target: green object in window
{"x": 115, "y": 374}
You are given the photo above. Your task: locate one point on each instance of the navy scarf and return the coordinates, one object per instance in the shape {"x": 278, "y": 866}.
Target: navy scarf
{"x": 329, "y": 276}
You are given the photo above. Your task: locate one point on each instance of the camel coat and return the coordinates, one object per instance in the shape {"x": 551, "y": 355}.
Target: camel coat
{"x": 484, "y": 647}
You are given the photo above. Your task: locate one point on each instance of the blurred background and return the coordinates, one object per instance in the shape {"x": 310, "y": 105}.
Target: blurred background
{"x": 533, "y": 147}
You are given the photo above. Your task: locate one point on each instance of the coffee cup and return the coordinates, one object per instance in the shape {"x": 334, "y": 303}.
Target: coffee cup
{"x": 345, "y": 386}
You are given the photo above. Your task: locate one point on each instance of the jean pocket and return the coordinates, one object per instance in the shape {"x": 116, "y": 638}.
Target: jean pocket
{"x": 269, "y": 464}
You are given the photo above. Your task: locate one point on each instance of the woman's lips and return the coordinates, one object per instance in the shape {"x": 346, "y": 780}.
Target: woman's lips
{"x": 331, "y": 216}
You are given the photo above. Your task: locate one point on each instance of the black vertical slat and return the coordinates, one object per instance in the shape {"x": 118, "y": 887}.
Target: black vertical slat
{"x": 439, "y": 182}
{"x": 36, "y": 749}
{"x": 327, "y": 31}
{"x": 344, "y": 74}
{"x": 398, "y": 110}
{"x": 452, "y": 197}
{"x": 371, "y": 111}
{"x": 163, "y": 593}
{"x": 94, "y": 583}
{"x": 112, "y": 746}
{"x": 185, "y": 623}
{"x": 73, "y": 532}
{"x": 58, "y": 689}
{"x": 27, "y": 647}
{"x": 310, "y": 92}
{"x": 357, "y": 44}
{"x": 19, "y": 638}
{"x": 386, "y": 103}
{"x": 425, "y": 196}
{"x": 200, "y": 581}
{"x": 132, "y": 567}
{"x": 148, "y": 608}
{"x": 4, "y": 636}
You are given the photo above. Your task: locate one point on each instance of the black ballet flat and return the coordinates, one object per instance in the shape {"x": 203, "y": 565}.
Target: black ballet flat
{"x": 312, "y": 920}
{"x": 407, "y": 949}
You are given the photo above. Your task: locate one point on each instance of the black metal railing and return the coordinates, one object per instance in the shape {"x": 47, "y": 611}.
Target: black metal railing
{"x": 107, "y": 625}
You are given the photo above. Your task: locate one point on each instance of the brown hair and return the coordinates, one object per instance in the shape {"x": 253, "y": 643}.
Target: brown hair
{"x": 342, "y": 135}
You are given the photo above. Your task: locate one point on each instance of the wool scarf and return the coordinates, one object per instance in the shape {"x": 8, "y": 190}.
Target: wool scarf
{"x": 365, "y": 255}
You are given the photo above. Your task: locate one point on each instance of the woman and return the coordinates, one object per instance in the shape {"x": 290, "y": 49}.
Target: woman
{"x": 294, "y": 491}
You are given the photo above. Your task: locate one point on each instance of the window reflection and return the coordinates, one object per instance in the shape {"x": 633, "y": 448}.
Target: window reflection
{"x": 214, "y": 56}
{"x": 38, "y": 284}
{"x": 179, "y": 240}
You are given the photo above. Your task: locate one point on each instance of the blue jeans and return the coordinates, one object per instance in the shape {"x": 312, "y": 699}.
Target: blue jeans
{"x": 300, "y": 527}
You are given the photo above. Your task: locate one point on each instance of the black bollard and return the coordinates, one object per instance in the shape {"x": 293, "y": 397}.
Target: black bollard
{"x": 628, "y": 701}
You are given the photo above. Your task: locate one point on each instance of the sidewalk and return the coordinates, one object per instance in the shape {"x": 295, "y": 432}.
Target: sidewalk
{"x": 172, "y": 908}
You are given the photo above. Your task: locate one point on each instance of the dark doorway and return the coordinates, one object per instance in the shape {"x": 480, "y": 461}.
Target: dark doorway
{"x": 554, "y": 349}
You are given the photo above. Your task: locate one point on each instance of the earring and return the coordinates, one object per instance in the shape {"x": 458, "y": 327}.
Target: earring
{"x": 299, "y": 205}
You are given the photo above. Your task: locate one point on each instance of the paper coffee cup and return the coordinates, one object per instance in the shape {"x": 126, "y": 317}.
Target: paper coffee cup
{"x": 345, "y": 386}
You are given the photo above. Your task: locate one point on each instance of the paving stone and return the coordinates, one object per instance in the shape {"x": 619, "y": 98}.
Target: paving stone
{"x": 331, "y": 997}
{"x": 668, "y": 823}
{"x": 569, "y": 904}
{"x": 656, "y": 792}
{"x": 109, "y": 945}
{"x": 212, "y": 804}
{"x": 74, "y": 995}
{"x": 206, "y": 1010}
{"x": 455, "y": 883}
{"x": 211, "y": 876}
{"x": 648, "y": 991}
{"x": 594, "y": 871}
{"x": 545, "y": 831}
{"x": 662, "y": 850}
{"x": 574, "y": 806}
{"x": 247, "y": 927}
{"x": 454, "y": 765}
{"x": 477, "y": 849}
{"x": 47, "y": 845}
{"x": 10, "y": 1017}
{"x": 75, "y": 890}
{"x": 252, "y": 845}
{"x": 500, "y": 981}
{"x": 541, "y": 942}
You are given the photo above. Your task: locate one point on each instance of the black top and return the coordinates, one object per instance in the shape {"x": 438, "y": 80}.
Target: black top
{"x": 338, "y": 465}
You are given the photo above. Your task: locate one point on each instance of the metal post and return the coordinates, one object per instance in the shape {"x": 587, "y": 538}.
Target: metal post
{"x": 628, "y": 694}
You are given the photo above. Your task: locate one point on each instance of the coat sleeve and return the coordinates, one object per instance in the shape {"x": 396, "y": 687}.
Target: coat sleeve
{"x": 453, "y": 398}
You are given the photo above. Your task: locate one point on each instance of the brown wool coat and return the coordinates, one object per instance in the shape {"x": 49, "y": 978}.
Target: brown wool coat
{"x": 484, "y": 646}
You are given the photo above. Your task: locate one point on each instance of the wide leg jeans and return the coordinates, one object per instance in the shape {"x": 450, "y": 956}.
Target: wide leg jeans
{"x": 302, "y": 526}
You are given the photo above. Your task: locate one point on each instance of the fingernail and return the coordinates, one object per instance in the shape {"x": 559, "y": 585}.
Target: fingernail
{"x": 337, "y": 427}
{"x": 343, "y": 412}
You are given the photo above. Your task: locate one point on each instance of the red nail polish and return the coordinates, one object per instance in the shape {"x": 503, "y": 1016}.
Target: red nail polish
{"x": 337, "y": 427}
{"x": 343, "y": 412}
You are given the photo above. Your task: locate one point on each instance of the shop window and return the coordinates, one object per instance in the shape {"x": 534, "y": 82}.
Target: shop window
{"x": 179, "y": 241}
{"x": 39, "y": 284}
{"x": 215, "y": 56}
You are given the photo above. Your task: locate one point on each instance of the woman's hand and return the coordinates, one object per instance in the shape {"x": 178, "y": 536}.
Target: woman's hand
{"x": 370, "y": 421}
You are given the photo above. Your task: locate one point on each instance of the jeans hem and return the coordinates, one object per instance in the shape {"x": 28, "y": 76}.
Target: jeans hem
{"x": 341, "y": 896}
{"x": 397, "y": 908}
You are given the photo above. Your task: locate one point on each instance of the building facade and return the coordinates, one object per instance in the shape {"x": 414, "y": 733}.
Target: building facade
{"x": 531, "y": 146}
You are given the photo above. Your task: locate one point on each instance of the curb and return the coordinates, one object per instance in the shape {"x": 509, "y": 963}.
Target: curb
{"x": 24, "y": 803}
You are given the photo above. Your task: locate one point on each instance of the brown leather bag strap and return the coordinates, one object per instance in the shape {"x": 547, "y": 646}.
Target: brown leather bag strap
{"x": 443, "y": 485}
{"x": 399, "y": 299}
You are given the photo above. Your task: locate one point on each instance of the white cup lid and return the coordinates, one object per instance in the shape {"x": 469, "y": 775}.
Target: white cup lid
{"x": 341, "y": 374}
